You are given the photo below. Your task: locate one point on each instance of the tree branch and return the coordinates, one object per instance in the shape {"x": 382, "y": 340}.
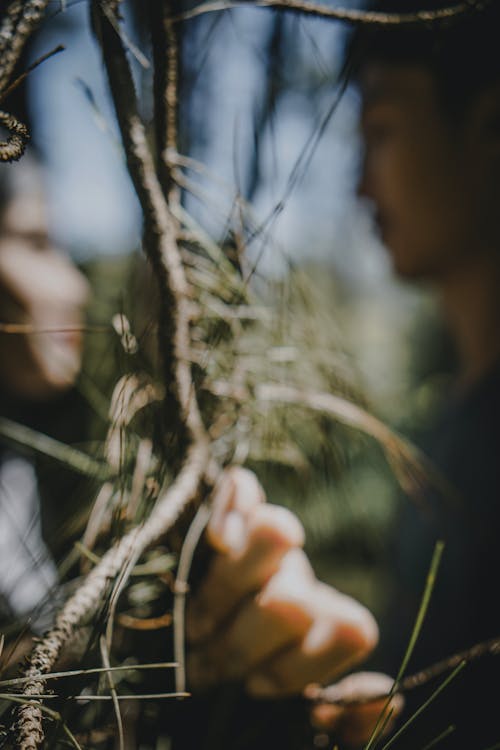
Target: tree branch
{"x": 183, "y": 418}
{"x": 89, "y": 597}
{"x": 19, "y": 22}
{"x": 354, "y": 17}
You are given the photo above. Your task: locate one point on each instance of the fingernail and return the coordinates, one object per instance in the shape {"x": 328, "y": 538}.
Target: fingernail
{"x": 222, "y": 498}
{"x": 235, "y": 531}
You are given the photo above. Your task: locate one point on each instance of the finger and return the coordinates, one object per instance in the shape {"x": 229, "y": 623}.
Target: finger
{"x": 355, "y": 724}
{"x": 278, "y": 617}
{"x": 343, "y": 633}
{"x": 235, "y": 497}
{"x": 269, "y": 532}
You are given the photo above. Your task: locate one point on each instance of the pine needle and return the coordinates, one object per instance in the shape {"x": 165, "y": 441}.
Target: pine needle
{"x": 440, "y": 737}
{"x": 429, "y": 587}
{"x": 424, "y": 705}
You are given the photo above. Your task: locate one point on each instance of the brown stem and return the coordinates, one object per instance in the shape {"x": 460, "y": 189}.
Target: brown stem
{"x": 19, "y": 22}
{"x": 89, "y": 597}
{"x": 355, "y": 17}
{"x": 334, "y": 694}
{"x": 183, "y": 420}
{"x": 186, "y": 428}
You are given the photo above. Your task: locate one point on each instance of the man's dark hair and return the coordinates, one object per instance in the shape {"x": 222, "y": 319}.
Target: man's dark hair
{"x": 461, "y": 52}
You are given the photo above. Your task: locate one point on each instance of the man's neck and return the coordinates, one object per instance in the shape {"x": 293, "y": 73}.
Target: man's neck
{"x": 471, "y": 302}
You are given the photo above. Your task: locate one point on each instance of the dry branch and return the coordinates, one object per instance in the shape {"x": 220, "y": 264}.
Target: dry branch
{"x": 160, "y": 242}
{"x": 89, "y": 597}
{"x": 343, "y": 694}
{"x": 19, "y": 22}
{"x": 355, "y": 17}
{"x": 188, "y": 446}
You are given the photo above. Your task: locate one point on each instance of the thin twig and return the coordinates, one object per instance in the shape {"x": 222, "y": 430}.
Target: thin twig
{"x": 191, "y": 541}
{"x": 103, "y": 645}
{"x": 411, "y": 466}
{"x": 333, "y": 694}
{"x": 19, "y": 22}
{"x": 14, "y": 85}
{"x": 160, "y": 244}
{"x": 87, "y": 599}
{"x": 355, "y": 17}
{"x": 93, "y": 670}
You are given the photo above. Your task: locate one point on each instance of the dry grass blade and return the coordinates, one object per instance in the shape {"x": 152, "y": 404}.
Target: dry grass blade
{"x": 103, "y": 645}
{"x": 93, "y": 670}
{"x": 191, "y": 540}
{"x": 71, "y": 457}
{"x": 87, "y": 599}
{"x": 412, "y": 468}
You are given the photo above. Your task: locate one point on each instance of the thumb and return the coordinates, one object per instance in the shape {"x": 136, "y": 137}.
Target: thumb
{"x": 235, "y": 498}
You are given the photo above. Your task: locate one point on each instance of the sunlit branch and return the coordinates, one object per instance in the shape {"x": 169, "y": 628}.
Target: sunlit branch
{"x": 347, "y": 15}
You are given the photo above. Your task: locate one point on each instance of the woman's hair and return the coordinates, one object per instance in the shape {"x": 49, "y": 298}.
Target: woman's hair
{"x": 462, "y": 52}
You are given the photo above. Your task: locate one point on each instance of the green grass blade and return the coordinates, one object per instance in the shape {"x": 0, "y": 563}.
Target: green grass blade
{"x": 424, "y": 705}
{"x": 433, "y": 743}
{"x": 422, "y": 611}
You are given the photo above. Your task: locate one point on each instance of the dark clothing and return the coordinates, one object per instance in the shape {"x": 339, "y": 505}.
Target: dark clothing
{"x": 227, "y": 719}
{"x": 465, "y": 606}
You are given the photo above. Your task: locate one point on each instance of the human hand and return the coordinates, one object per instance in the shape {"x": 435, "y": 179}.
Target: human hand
{"x": 261, "y": 615}
{"x": 355, "y": 707}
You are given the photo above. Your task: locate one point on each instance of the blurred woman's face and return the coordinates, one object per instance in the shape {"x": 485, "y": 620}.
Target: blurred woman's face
{"x": 428, "y": 177}
{"x": 41, "y": 289}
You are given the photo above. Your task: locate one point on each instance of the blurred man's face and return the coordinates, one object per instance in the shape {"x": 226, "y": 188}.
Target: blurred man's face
{"x": 424, "y": 173}
{"x": 41, "y": 289}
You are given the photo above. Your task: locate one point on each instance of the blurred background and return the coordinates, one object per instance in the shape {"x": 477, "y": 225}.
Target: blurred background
{"x": 264, "y": 111}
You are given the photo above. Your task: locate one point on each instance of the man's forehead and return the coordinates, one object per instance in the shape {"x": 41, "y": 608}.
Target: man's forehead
{"x": 386, "y": 82}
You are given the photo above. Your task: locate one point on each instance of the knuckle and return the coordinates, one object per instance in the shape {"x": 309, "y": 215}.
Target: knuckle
{"x": 278, "y": 526}
{"x": 245, "y": 480}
